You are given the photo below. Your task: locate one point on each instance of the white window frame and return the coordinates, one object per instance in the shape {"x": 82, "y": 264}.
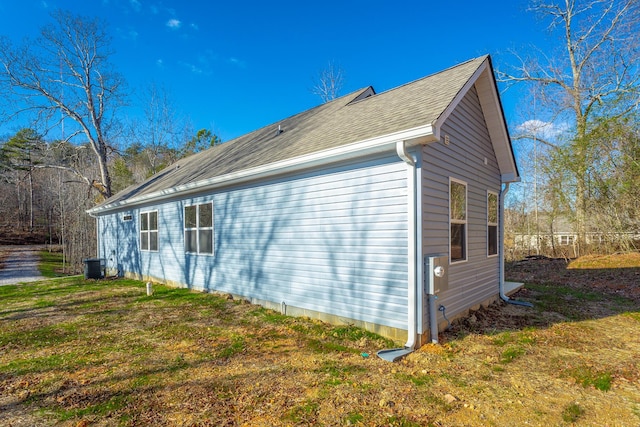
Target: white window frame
{"x": 493, "y": 224}
{"x": 464, "y": 222}
{"x": 145, "y": 235}
{"x": 198, "y": 228}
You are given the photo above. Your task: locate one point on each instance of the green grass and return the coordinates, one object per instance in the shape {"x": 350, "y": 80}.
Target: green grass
{"x": 511, "y": 353}
{"x": 44, "y": 336}
{"x": 34, "y": 365}
{"x": 270, "y": 316}
{"x": 398, "y": 421}
{"x": 572, "y": 412}
{"x": 354, "y": 418}
{"x": 589, "y": 377}
{"x": 418, "y": 380}
{"x": 571, "y": 301}
{"x": 515, "y": 343}
{"x": 303, "y": 414}
{"x": 51, "y": 264}
{"x": 107, "y": 404}
{"x": 634, "y": 316}
{"x": 235, "y": 346}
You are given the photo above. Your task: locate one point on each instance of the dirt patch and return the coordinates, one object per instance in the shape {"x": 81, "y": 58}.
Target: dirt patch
{"x": 612, "y": 274}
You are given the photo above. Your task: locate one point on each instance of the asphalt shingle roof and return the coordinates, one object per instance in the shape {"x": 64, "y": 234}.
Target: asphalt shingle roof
{"x": 342, "y": 121}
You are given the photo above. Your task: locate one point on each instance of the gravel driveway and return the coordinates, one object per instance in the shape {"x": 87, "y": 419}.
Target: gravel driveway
{"x": 20, "y": 265}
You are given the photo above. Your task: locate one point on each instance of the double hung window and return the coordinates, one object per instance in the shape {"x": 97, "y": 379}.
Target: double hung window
{"x": 492, "y": 223}
{"x": 198, "y": 228}
{"x": 149, "y": 231}
{"x": 457, "y": 220}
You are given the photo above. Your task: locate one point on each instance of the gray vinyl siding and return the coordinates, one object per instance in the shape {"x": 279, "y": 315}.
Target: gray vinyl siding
{"x": 476, "y": 279}
{"x": 332, "y": 241}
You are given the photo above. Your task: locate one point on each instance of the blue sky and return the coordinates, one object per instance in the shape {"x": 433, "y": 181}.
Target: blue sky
{"x": 236, "y": 66}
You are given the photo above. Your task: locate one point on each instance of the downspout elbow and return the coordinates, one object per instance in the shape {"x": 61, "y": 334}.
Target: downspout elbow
{"x": 401, "y": 150}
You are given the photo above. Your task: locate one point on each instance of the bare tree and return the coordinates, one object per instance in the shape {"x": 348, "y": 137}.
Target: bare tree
{"x": 160, "y": 128}
{"x": 328, "y": 83}
{"x": 593, "y": 77}
{"x": 64, "y": 77}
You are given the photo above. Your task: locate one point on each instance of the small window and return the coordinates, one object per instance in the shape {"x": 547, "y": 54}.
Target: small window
{"x": 198, "y": 229}
{"x": 149, "y": 231}
{"x": 492, "y": 223}
{"x": 458, "y": 220}
{"x": 566, "y": 240}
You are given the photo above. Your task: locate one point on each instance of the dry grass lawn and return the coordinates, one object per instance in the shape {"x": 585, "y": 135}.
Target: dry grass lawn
{"x": 79, "y": 353}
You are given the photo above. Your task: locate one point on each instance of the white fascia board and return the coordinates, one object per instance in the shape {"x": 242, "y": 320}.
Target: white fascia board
{"x": 415, "y": 136}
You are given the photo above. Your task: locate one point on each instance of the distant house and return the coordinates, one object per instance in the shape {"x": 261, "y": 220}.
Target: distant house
{"x": 334, "y": 213}
{"x": 545, "y": 234}
{"x": 556, "y": 236}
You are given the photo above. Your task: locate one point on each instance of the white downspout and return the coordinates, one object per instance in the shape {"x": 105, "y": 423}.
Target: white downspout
{"x": 394, "y": 354}
{"x": 412, "y": 294}
{"x": 503, "y": 296}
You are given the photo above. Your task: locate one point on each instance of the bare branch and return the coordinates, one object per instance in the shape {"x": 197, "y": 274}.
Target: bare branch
{"x": 328, "y": 83}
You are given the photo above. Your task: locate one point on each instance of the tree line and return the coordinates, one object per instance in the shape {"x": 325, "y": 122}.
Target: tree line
{"x": 44, "y": 196}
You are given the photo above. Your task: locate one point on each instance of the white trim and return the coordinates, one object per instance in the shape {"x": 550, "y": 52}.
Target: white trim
{"x": 414, "y": 136}
{"x": 465, "y": 221}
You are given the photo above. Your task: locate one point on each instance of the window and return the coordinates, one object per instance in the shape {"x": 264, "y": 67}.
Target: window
{"x": 458, "y": 220}
{"x": 149, "y": 231}
{"x": 198, "y": 228}
{"x": 492, "y": 223}
{"x": 566, "y": 240}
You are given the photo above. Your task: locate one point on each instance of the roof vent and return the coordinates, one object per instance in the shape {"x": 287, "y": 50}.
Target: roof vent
{"x": 279, "y": 131}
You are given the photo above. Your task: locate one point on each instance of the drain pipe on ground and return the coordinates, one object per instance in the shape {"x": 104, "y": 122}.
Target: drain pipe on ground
{"x": 503, "y": 296}
{"x": 394, "y": 354}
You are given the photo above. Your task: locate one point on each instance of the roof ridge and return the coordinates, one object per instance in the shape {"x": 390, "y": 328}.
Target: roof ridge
{"x": 324, "y": 105}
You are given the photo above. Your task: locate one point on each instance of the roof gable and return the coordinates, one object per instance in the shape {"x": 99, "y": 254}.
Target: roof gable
{"x": 347, "y": 124}
{"x": 484, "y": 81}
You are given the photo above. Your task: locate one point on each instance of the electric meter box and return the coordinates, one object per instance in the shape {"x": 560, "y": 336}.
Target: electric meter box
{"x": 436, "y": 273}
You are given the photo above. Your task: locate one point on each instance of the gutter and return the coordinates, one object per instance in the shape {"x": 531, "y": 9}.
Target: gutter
{"x": 503, "y": 296}
{"x": 391, "y": 355}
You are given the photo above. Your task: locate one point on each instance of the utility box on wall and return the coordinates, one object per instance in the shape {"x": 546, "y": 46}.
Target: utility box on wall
{"x": 436, "y": 273}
